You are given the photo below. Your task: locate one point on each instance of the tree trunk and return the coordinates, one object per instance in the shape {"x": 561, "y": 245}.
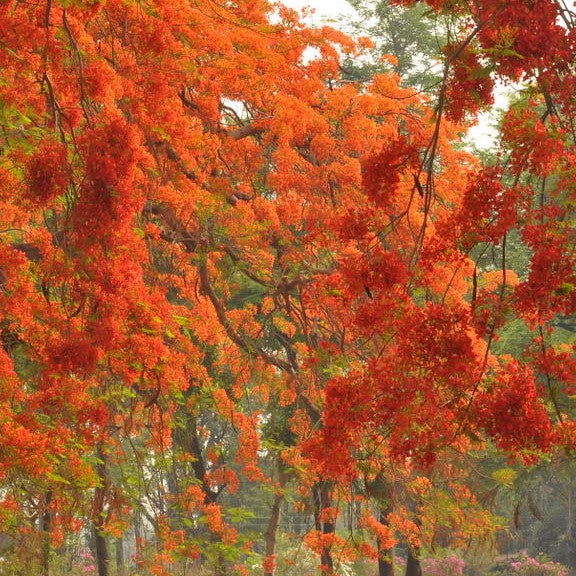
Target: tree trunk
{"x": 322, "y": 496}
{"x": 45, "y": 535}
{"x": 120, "y": 560}
{"x": 385, "y": 556}
{"x": 270, "y": 534}
{"x": 137, "y": 527}
{"x": 274, "y": 522}
{"x": 98, "y": 517}
{"x": 413, "y": 567}
{"x": 568, "y": 543}
{"x": 379, "y": 490}
{"x": 186, "y": 438}
{"x": 385, "y": 566}
{"x": 101, "y": 550}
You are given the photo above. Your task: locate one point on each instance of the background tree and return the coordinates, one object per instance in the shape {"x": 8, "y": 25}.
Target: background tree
{"x": 406, "y": 39}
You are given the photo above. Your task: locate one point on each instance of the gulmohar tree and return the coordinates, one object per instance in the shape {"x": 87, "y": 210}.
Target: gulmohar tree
{"x": 519, "y": 205}
{"x": 223, "y": 267}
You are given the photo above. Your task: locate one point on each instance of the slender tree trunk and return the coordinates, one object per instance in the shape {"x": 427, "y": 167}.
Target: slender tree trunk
{"x": 322, "y": 496}
{"x": 271, "y": 531}
{"x": 380, "y": 491}
{"x": 568, "y": 548}
{"x": 120, "y": 560}
{"x": 219, "y": 564}
{"x": 138, "y": 535}
{"x": 45, "y": 535}
{"x": 186, "y": 438}
{"x": 385, "y": 556}
{"x": 274, "y": 522}
{"x": 413, "y": 567}
{"x": 385, "y": 566}
{"x": 101, "y": 549}
{"x": 569, "y": 534}
{"x": 98, "y": 515}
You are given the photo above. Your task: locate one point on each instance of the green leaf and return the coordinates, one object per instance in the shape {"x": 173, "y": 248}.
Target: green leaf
{"x": 505, "y": 476}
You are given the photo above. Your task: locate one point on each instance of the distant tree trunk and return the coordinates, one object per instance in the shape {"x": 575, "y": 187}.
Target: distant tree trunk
{"x": 385, "y": 566}
{"x": 568, "y": 544}
{"x": 413, "y": 567}
{"x": 271, "y": 531}
{"x": 137, "y": 527}
{"x": 322, "y": 497}
{"x": 379, "y": 490}
{"x": 120, "y": 560}
{"x": 569, "y": 534}
{"x": 385, "y": 556}
{"x": 274, "y": 522}
{"x": 186, "y": 438}
{"x": 98, "y": 517}
{"x": 174, "y": 513}
{"x": 45, "y": 535}
{"x": 220, "y": 566}
{"x": 101, "y": 550}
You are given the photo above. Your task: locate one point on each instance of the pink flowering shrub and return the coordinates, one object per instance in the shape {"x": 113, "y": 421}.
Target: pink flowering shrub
{"x": 86, "y": 565}
{"x": 447, "y": 566}
{"x": 528, "y": 566}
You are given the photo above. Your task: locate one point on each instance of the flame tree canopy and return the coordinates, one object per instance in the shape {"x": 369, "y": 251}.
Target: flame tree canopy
{"x": 223, "y": 266}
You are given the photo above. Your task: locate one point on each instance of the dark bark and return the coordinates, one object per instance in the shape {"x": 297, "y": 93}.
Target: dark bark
{"x": 272, "y": 529}
{"x": 120, "y": 560}
{"x": 101, "y": 550}
{"x": 98, "y": 518}
{"x": 385, "y": 566}
{"x": 138, "y": 535}
{"x": 45, "y": 536}
{"x": 186, "y": 437}
{"x": 274, "y": 522}
{"x": 379, "y": 490}
{"x": 322, "y": 497}
{"x": 413, "y": 567}
{"x": 385, "y": 558}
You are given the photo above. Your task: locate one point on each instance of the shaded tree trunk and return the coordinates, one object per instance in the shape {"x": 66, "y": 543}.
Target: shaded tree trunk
{"x": 271, "y": 531}
{"x": 120, "y": 559}
{"x": 45, "y": 535}
{"x": 101, "y": 552}
{"x": 380, "y": 490}
{"x": 568, "y": 543}
{"x": 138, "y": 532}
{"x": 98, "y": 518}
{"x": 186, "y": 438}
{"x": 385, "y": 556}
{"x": 322, "y": 497}
{"x": 413, "y": 567}
{"x": 274, "y": 522}
{"x": 385, "y": 566}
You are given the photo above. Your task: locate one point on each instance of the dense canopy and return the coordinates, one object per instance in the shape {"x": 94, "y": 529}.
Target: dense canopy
{"x": 229, "y": 273}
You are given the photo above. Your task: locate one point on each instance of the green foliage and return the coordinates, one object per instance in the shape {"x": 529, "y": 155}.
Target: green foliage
{"x": 410, "y": 34}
